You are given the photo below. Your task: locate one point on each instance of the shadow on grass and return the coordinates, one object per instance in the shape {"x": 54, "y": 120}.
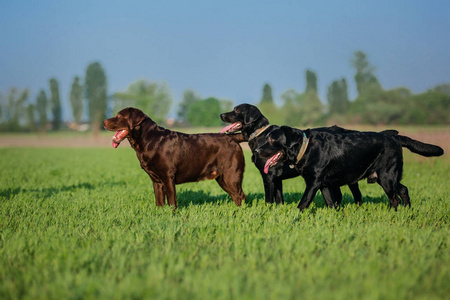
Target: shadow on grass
{"x": 187, "y": 197}
{"x": 347, "y": 199}
{"x": 9, "y": 193}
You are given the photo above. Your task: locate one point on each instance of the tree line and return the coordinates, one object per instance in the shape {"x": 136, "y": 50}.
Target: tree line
{"x": 90, "y": 103}
{"x": 18, "y": 113}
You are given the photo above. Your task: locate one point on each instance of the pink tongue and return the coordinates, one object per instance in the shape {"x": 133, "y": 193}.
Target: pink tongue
{"x": 118, "y": 137}
{"x": 268, "y": 162}
{"x": 225, "y": 129}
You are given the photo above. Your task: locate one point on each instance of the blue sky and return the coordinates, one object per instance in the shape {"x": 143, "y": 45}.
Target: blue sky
{"x": 226, "y": 49}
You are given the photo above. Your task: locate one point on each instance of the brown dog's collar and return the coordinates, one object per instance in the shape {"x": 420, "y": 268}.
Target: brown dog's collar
{"x": 303, "y": 148}
{"x": 257, "y": 132}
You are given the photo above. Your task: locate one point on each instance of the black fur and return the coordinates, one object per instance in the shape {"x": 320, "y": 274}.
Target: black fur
{"x": 252, "y": 120}
{"x": 336, "y": 159}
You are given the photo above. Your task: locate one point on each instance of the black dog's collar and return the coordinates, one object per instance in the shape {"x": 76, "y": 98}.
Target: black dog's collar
{"x": 258, "y": 132}
{"x": 303, "y": 148}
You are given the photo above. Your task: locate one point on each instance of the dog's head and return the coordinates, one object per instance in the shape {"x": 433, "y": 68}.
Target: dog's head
{"x": 245, "y": 117}
{"x": 282, "y": 144}
{"x": 123, "y": 123}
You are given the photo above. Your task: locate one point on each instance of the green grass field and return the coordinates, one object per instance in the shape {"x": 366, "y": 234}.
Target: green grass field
{"x": 82, "y": 224}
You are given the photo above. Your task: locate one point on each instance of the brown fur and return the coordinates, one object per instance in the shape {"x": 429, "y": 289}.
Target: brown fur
{"x": 171, "y": 157}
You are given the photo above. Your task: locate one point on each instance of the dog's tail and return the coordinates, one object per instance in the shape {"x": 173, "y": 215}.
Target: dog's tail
{"x": 419, "y": 147}
{"x": 390, "y": 132}
{"x": 238, "y": 137}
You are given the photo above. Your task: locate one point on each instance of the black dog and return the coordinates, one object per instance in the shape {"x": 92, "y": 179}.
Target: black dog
{"x": 334, "y": 159}
{"x": 254, "y": 126}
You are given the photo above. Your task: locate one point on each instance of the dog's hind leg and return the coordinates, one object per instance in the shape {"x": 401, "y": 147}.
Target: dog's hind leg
{"x": 403, "y": 193}
{"x": 233, "y": 186}
{"x": 389, "y": 189}
{"x": 169, "y": 189}
{"x": 354, "y": 188}
{"x": 332, "y": 196}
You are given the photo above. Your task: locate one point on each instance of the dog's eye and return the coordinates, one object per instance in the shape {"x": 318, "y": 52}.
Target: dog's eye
{"x": 270, "y": 140}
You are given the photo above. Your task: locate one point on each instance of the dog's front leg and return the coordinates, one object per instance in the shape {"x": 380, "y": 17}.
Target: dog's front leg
{"x": 158, "y": 188}
{"x": 268, "y": 188}
{"x": 308, "y": 196}
{"x": 279, "y": 192}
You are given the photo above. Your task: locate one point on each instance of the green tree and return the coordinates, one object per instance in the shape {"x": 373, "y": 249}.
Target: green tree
{"x": 41, "y": 107}
{"x": 312, "y": 107}
{"x": 152, "y": 98}
{"x": 382, "y": 107}
{"x": 15, "y": 110}
{"x": 76, "y": 100}
{"x": 366, "y": 82}
{"x": 431, "y": 107}
{"x": 302, "y": 109}
{"x": 205, "y": 113}
{"x": 311, "y": 81}
{"x": 292, "y": 107}
{"x": 268, "y": 107}
{"x": 55, "y": 104}
{"x": 1, "y": 107}
{"x": 337, "y": 97}
{"x": 189, "y": 98}
{"x": 31, "y": 115}
{"x": 267, "y": 94}
{"x": 12, "y": 115}
{"x": 96, "y": 94}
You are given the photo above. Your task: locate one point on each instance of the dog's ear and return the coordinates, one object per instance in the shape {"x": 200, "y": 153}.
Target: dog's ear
{"x": 135, "y": 117}
{"x": 293, "y": 138}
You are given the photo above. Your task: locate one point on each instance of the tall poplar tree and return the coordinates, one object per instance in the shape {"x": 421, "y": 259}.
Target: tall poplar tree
{"x": 96, "y": 94}
{"x": 189, "y": 98}
{"x": 267, "y": 94}
{"x": 366, "y": 82}
{"x": 31, "y": 115}
{"x": 311, "y": 81}
{"x": 268, "y": 107}
{"x": 337, "y": 97}
{"x": 76, "y": 100}
{"x": 16, "y": 108}
{"x": 41, "y": 106}
{"x": 312, "y": 106}
{"x": 55, "y": 104}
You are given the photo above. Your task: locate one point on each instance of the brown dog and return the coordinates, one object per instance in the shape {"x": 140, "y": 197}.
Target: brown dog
{"x": 171, "y": 157}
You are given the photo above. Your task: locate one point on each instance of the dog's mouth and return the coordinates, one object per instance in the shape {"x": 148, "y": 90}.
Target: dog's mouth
{"x": 119, "y": 137}
{"x": 232, "y": 128}
{"x": 272, "y": 161}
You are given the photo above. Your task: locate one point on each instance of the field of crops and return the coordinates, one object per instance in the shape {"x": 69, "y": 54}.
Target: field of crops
{"x": 82, "y": 223}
